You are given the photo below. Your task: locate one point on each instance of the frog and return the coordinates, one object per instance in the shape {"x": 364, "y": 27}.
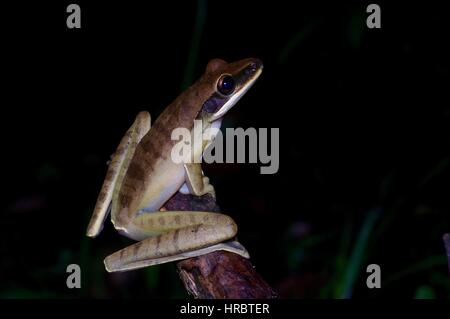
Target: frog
{"x": 142, "y": 176}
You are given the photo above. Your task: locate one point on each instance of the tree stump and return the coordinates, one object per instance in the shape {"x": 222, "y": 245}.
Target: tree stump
{"x": 220, "y": 274}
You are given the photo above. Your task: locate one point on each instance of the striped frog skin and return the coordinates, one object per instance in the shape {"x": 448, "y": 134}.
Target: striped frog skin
{"x": 142, "y": 176}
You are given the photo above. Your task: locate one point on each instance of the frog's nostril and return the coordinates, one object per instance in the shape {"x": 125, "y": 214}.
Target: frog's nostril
{"x": 258, "y": 63}
{"x": 251, "y": 68}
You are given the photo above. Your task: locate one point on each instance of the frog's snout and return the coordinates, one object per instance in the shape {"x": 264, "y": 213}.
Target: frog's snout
{"x": 254, "y": 66}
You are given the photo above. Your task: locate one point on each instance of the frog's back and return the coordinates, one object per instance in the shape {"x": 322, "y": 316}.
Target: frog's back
{"x": 152, "y": 176}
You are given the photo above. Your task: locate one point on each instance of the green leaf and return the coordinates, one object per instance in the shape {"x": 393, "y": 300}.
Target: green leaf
{"x": 425, "y": 292}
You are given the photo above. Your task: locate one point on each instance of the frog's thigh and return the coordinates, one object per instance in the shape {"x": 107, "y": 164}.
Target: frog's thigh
{"x": 197, "y": 183}
{"x": 116, "y": 170}
{"x": 184, "y": 234}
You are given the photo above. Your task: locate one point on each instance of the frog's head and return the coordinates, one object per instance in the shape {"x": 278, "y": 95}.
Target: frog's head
{"x": 230, "y": 82}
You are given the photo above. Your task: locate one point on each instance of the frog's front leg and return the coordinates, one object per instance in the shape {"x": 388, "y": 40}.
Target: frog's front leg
{"x": 182, "y": 234}
{"x": 197, "y": 183}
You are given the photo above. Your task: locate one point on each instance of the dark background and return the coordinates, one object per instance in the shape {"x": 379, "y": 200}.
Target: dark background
{"x": 364, "y": 118}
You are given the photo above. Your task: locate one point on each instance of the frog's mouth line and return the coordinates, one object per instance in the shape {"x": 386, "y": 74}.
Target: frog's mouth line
{"x": 256, "y": 69}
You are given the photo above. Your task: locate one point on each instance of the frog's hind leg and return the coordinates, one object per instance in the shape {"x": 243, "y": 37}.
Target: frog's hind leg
{"x": 116, "y": 171}
{"x": 183, "y": 234}
{"x": 113, "y": 263}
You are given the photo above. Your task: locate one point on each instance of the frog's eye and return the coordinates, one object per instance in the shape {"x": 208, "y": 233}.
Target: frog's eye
{"x": 226, "y": 85}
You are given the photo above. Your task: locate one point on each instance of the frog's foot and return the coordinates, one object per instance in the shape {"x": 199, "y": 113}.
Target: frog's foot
{"x": 112, "y": 265}
{"x": 208, "y": 188}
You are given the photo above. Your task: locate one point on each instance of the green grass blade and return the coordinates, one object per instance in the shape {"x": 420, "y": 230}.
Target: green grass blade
{"x": 354, "y": 265}
{"x": 199, "y": 26}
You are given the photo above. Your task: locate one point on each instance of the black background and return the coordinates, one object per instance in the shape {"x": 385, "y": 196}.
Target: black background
{"x": 364, "y": 133}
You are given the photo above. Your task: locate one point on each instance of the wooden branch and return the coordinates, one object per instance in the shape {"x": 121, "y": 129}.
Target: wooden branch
{"x": 446, "y": 239}
{"x": 220, "y": 274}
